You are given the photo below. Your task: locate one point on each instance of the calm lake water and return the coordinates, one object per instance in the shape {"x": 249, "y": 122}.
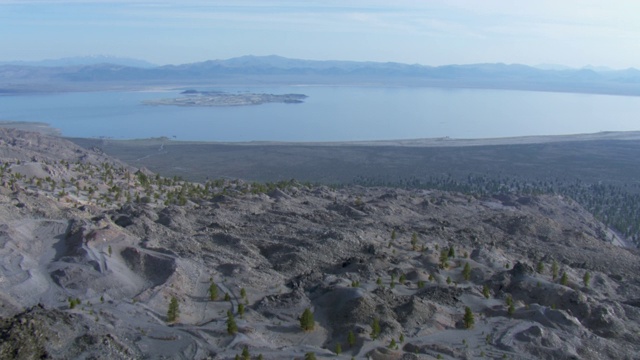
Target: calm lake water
{"x": 332, "y": 114}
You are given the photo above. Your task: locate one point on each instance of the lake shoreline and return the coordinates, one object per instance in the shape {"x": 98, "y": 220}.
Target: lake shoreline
{"x": 418, "y": 142}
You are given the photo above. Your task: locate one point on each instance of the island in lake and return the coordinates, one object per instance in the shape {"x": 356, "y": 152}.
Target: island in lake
{"x": 218, "y": 98}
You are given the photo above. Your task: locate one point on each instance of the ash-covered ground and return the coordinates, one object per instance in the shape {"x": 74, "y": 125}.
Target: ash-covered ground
{"x": 92, "y": 252}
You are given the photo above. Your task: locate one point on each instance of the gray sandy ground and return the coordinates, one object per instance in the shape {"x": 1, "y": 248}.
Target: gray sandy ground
{"x": 292, "y": 248}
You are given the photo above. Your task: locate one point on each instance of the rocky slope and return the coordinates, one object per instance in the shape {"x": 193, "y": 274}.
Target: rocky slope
{"x": 93, "y": 251}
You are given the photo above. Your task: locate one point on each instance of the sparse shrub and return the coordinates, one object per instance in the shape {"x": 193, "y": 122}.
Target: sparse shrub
{"x": 310, "y": 356}
{"x": 420, "y": 284}
{"x": 540, "y": 267}
{"x": 73, "y": 302}
{"x": 554, "y": 270}
{"x": 402, "y": 279}
{"x": 393, "y": 234}
{"x": 414, "y": 241}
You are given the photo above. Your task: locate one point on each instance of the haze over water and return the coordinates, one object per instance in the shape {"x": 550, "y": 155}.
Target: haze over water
{"x": 331, "y": 114}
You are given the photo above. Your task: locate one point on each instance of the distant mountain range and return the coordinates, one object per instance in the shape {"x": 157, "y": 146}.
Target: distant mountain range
{"x": 276, "y": 70}
{"x": 84, "y": 60}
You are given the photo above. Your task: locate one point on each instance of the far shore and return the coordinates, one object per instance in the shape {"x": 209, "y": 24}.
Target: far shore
{"x": 427, "y": 142}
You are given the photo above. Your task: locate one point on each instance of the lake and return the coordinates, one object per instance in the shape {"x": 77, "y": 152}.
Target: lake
{"x": 331, "y": 114}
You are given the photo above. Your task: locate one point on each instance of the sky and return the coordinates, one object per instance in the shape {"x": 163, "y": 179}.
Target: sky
{"x": 435, "y": 32}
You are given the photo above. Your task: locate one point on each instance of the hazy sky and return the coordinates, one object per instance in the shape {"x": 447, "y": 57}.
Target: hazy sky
{"x": 434, "y": 32}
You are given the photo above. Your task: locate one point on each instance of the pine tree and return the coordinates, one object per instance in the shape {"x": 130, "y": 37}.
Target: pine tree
{"x": 509, "y": 300}
{"x": 540, "y": 268}
{"x": 338, "y": 349}
{"x": 511, "y": 309}
{"x": 392, "y": 344}
{"x": 243, "y": 293}
{"x": 466, "y": 272}
{"x": 414, "y": 241}
{"x": 468, "y": 318}
{"x": 306, "y": 320}
{"x": 227, "y": 297}
{"x": 554, "y": 270}
{"x": 173, "y": 312}
{"x": 402, "y": 279}
{"x": 393, "y": 234}
{"x": 375, "y": 328}
{"x": 485, "y": 291}
{"x": 564, "y": 280}
{"x": 351, "y": 338}
{"x": 310, "y": 356}
{"x": 452, "y": 252}
{"x": 232, "y": 327}
{"x": 401, "y": 338}
{"x": 245, "y": 353}
{"x": 444, "y": 258}
{"x": 586, "y": 279}
{"x": 241, "y": 309}
{"x": 213, "y": 292}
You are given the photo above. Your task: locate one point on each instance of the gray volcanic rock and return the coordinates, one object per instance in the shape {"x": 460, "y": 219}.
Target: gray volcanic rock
{"x": 89, "y": 272}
